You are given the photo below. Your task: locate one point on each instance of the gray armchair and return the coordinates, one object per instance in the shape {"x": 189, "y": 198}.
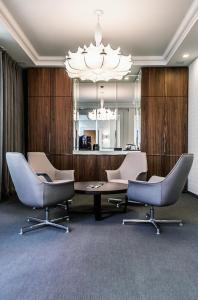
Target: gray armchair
{"x": 160, "y": 191}
{"x": 41, "y": 164}
{"x": 134, "y": 167}
{"x": 34, "y": 192}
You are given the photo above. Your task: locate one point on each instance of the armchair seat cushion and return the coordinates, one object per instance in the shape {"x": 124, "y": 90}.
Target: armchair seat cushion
{"x": 155, "y": 179}
{"x": 125, "y": 181}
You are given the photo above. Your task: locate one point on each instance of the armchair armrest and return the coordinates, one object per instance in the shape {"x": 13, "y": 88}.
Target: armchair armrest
{"x": 145, "y": 192}
{"x": 44, "y": 176}
{"x": 142, "y": 176}
{"x": 64, "y": 174}
{"x": 113, "y": 174}
{"x": 57, "y": 192}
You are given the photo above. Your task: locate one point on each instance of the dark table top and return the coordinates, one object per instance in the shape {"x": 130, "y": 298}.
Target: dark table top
{"x": 89, "y": 187}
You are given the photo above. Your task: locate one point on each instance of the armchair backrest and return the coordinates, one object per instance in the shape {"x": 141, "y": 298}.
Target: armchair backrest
{"x": 27, "y": 185}
{"x": 174, "y": 182}
{"x": 133, "y": 164}
{"x": 41, "y": 164}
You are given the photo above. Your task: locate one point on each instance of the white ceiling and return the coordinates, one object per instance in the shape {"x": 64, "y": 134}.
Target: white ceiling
{"x": 155, "y": 32}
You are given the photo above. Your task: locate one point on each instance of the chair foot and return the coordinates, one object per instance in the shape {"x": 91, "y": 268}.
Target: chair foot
{"x": 155, "y": 222}
{"x": 45, "y": 222}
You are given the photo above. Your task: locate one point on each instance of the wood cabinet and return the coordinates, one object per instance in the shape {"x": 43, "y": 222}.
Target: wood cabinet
{"x": 92, "y": 167}
{"x": 163, "y": 117}
{"x": 61, "y": 125}
{"x": 50, "y": 111}
{"x": 38, "y": 123}
{"x": 39, "y": 82}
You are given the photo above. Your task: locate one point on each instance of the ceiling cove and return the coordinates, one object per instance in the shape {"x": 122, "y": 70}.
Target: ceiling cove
{"x": 189, "y": 20}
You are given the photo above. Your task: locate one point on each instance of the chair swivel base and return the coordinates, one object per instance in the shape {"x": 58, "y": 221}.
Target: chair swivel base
{"x": 45, "y": 222}
{"x": 117, "y": 202}
{"x": 151, "y": 220}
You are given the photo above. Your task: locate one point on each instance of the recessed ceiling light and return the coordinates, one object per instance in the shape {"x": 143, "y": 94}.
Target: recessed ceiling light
{"x": 185, "y": 55}
{"x": 126, "y": 78}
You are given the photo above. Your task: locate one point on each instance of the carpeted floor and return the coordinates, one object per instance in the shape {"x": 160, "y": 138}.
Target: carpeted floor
{"x": 102, "y": 260}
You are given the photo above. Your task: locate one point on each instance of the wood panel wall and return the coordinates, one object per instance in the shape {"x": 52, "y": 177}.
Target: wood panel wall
{"x": 164, "y": 117}
{"x": 50, "y": 110}
{"x": 50, "y": 125}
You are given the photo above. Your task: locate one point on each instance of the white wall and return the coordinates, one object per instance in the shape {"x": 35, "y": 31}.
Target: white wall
{"x": 193, "y": 125}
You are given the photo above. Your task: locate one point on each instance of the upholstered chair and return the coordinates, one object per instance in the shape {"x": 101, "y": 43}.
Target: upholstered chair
{"x": 134, "y": 167}
{"x": 34, "y": 192}
{"x": 160, "y": 191}
{"x": 41, "y": 164}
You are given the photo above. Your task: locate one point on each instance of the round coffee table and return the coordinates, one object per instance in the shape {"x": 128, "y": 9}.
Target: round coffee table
{"x": 97, "y": 188}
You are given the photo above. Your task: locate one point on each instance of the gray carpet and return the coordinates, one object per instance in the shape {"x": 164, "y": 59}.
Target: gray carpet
{"x": 100, "y": 260}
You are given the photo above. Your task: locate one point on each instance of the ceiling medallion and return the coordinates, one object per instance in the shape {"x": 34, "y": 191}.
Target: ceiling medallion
{"x": 97, "y": 62}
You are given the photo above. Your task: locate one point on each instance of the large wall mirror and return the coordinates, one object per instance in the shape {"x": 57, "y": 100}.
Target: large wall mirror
{"x": 107, "y": 115}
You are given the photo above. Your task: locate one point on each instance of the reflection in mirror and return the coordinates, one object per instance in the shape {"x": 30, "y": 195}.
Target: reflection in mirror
{"x": 107, "y": 115}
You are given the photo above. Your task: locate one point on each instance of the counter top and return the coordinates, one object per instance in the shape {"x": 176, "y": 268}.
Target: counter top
{"x": 102, "y": 152}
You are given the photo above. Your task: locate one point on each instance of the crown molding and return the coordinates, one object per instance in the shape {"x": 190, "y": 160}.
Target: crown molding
{"x": 17, "y": 33}
{"x": 54, "y": 61}
{"x": 184, "y": 28}
{"x": 149, "y": 60}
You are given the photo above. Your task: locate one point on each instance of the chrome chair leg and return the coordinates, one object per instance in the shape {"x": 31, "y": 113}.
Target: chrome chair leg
{"x": 150, "y": 218}
{"x": 45, "y": 222}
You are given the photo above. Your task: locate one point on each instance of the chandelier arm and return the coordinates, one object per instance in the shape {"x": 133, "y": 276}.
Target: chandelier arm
{"x": 117, "y": 63}
{"x": 93, "y": 68}
{"x": 73, "y": 67}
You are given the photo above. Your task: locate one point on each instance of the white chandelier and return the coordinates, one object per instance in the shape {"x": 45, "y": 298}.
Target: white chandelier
{"x": 97, "y": 62}
{"x": 102, "y": 113}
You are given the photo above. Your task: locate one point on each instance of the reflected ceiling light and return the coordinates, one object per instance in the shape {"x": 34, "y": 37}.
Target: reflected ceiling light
{"x": 102, "y": 113}
{"x": 185, "y": 55}
{"x": 97, "y": 62}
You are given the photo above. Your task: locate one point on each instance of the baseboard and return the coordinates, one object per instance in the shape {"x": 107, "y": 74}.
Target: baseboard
{"x": 192, "y": 194}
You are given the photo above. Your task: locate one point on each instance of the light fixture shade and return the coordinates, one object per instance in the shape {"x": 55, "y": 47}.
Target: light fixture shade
{"x": 97, "y": 62}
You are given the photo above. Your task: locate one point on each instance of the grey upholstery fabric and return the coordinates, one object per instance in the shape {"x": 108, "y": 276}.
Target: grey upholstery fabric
{"x": 41, "y": 164}
{"x": 30, "y": 189}
{"x": 134, "y": 164}
{"x": 167, "y": 190}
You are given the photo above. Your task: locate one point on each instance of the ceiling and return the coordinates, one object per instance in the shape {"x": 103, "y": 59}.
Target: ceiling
{"x": 155, "y": 32}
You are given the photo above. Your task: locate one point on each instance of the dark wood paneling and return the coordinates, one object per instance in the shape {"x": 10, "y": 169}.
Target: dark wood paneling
{"x": 92, "y": 167}
{"x": 38, "y": 123}
{"x": 154, "y": 165}
{"x": 50, "y": 126}
{"x": 61, "y": 162}
{"x": 168, "y": 162}
{"x": 61, "y": 84}
{"x": 85, "y": 167}
{"x": 116, "y": 161}
{"x": 153, "y": 82}
{"x": 39, "y": 82}
{"x": 152, "y": 124}
{"x": 176, "y": 82}
{"x": 164, "y": 119}
{"x": 61, "y": 125}
{"x": 176, "y": 125}
{"x": 103, "y": 163}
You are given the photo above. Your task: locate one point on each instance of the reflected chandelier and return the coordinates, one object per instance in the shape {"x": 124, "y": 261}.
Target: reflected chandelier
{"x": 102, "y": 113}
{"x": 97, "y": 62}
